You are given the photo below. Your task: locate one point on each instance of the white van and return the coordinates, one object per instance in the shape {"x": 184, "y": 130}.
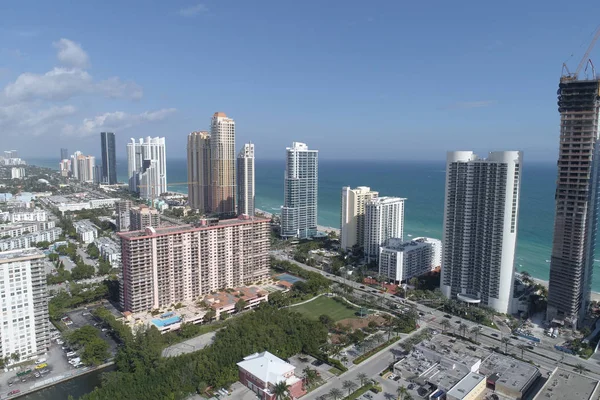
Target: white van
{"x": 40, "y": 361}
{"x": 74, "y": 361}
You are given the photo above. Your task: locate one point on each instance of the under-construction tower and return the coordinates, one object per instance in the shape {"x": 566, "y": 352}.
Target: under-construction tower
{"x": 576, "y": 215}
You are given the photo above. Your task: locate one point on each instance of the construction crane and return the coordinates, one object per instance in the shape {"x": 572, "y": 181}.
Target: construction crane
{"x": 584, "y": 60}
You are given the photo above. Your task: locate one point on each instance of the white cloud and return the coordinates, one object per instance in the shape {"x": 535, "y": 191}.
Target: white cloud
{"x": 21, "y": 119}
{"x": 71, "y": 54}
{"x": 61, "y": 84}
{"x": 194, "y": 10}
{"x": 116, "y": 121}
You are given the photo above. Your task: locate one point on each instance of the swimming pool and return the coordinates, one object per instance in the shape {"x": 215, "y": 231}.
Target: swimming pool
{"x": 289, "y": 278}
{"x": 161, "y": 323}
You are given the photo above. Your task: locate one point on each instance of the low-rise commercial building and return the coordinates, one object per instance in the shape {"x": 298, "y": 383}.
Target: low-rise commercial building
{"x": 29, "y": 240}
{"x": 508, "y": 376}
{"x": 162, "y": 266}
{"x": 224, "y": 302}
{"x": 24, "y": 228}
{"x": 24, "y": 320}
{"x": 78, "y": 202}
{"x": 27, "y": 215}
{"x": 399, "y": 260}
{"x": 86, "y": 231}
{"x": 261, "y": 372}
{"x": 471, "y": 387}
{"x": 563, "y": 384}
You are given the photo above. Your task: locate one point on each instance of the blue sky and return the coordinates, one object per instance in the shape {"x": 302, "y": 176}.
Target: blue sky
{"x": 370, "y": 80}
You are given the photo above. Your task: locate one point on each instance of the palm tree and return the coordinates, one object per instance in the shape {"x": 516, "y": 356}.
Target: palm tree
{"x": 402, "y": 392}
{"x": 378, "y": 337}
{"x": 579, "y": 368}
{"x": 344, "y": 359}
{"x": 349, "y": 386}
{"x": 522, "y": 347}
{"x": 463, "y": 328}
{"x": 362, "y": 377}
{"x": 335, "y": 393}
{"x": 506, "y": 341}
{"x": 310, "y": 376}
{"x": 445, "y": 325}
{"x": 280, "y": 390}
{"x": 476, "y": 330}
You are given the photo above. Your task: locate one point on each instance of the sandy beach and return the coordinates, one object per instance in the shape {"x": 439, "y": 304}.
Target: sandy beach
{"x": 321, "y": 228}
{"x": 595, "y": 296}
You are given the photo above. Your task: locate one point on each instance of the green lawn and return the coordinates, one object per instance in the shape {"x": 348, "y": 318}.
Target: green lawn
{"x": 326, "y": 305}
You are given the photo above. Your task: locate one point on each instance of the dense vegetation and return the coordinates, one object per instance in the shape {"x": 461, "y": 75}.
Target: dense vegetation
{"x": 143, "y": 374}
{"x": 80, "y": 295}
{"x": 95, "y": 350}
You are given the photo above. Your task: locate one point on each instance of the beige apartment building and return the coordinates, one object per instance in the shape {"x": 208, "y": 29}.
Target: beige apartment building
{"x": 142, "y": 217}
{"x": 353, "y": 215}
{"x": 162, "y": 266}
{"x": 222, "y": 154}
{"x": 198, "y": 163}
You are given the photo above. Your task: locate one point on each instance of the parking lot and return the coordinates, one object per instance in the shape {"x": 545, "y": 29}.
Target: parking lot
{"x": 81, "y": 318}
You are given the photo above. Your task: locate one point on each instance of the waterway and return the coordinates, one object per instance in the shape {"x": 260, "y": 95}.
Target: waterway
{"x": 76, "y": 387}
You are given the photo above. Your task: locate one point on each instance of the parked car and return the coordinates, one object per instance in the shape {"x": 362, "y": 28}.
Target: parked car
{"x": 447, "y": 316}
{"x": 494, "y": 334}
{"x": 13, "y": 392}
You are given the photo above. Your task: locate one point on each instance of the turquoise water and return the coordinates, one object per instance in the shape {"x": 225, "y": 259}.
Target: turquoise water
{"x": 161, "y": 323}
{"x": 422, "y": 184}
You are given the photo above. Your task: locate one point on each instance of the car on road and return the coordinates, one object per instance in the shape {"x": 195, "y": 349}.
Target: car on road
{"x": 447, "y": 316}
{"x": 457, "y": 321}
{"x": 410, "y": 386}
{"x": 362, "y": 287}
{"x": 13, "y": 392}
{"x": 494, "y": 334}
{"x": 421, "y": 313}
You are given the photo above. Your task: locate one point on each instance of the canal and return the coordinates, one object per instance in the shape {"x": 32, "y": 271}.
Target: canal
{"x": 75, "y": 387}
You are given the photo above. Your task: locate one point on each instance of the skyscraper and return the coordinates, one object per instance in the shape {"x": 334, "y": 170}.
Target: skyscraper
{"x": 300, "y": 191}
{"x": 147, "y": 167}
{"x": 198, "y": 164}
{"x": 222, "y": 162}
{"x": 109, "y": 160}
{"x": 481, "y": 210}
{"x": 82, "y": 167}
{"x": 576, "y": 218}
{"x": 24, "y": 320}
{"x": 353, "y": 215}
{"x": 64, "y": 154}
{"x": 384, "y": 219}
{"x": 245, "y": 180}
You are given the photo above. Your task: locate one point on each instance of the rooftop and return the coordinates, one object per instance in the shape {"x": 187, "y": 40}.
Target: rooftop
{"x": 466, "y": 385}
{"x": 184, "y": 229}
{"x": 225, "y": 299}
{"x": 14, "y": 255}
{"x": 385, "y": 200}
{"x": 511, "y": 373}
{"x": 266, "y": 367}
{"x": 563, "y": 384}
{"x": 399, "y": 245}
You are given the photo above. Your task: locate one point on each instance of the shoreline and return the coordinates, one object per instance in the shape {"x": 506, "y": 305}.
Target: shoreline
{"x": 320, "y": 228}
{"x": 595, "y": 296}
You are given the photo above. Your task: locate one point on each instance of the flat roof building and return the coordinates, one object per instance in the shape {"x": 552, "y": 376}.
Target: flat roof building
{"x": 400, "y": 261}
{"x": 508, "y": 376}
{"x": 24, "y": 322}
{"x": 162, "y": 266}
{"x": 384, "y": 219}
{"x": 352, "y": 224}
{"x": 86, "y": 231}
{"x": 567, "y": 385}
{"x": 142, "y": 217}
{"x": 470, "y": 387}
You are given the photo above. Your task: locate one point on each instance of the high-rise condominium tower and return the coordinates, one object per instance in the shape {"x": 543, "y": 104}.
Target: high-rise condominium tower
{"x": 82, "y": 167}
{"x": 222, "y": 154}
{"x": 162, "y": 266}
{"x": 245, "y": 180}
{"x": 481, "y": 210}
{"x": 24, "y": 320}
{"x": 109, "y": 158}
{"x": 147, "y": 167}
{"x": 300, "y": 190}
{"x": 353, "y": 215}
{"x": 576, "y": 219}
{"x": 64, "y": 154}
{"x": 198, "y": 163}
{"x": 384, "y": 219}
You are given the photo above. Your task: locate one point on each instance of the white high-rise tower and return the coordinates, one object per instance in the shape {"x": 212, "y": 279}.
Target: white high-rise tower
{"x": 147, "y": 166}
{"x": 245, "y": 180}
{"x": 480, "y": 227}
{"x": 384, "y": 219}
{"x": 300, "y": 191}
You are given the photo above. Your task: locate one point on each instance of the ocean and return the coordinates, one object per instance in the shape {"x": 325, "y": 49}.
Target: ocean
{"x": 421, "y": 183}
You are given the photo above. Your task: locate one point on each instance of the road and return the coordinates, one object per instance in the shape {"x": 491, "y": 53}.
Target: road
{"x": 544, "y": 354}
